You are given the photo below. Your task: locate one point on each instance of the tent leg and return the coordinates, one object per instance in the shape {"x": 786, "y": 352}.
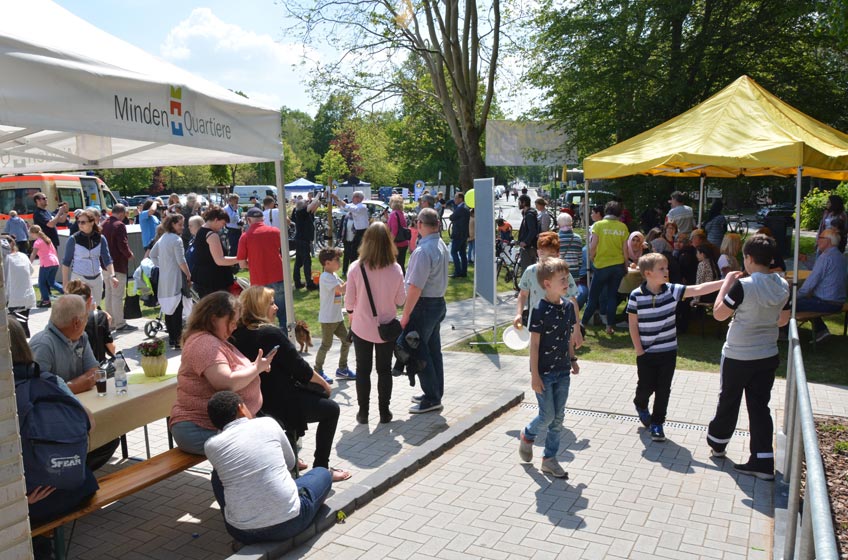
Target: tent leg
{"x": 701, "y": 202}
{"x": 284, "y": 243}
{"x": 797, "y": 249}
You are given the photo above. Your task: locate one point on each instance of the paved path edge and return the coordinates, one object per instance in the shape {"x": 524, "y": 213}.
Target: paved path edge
{"x": 361, "y": 492}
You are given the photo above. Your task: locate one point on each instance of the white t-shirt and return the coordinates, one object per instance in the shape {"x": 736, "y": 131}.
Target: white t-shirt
{"x": 330, "y": 310}
{"x": 253, "y": 458}
{"x": 272, "y": 217}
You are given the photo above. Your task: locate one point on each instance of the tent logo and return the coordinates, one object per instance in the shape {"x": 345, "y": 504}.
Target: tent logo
{"x": 176, "y": 110}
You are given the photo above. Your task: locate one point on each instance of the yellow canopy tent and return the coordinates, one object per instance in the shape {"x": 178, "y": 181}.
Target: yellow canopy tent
{"x": 741, "y": 130}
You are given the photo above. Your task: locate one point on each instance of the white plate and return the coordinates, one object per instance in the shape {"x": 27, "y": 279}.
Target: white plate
{"x": 516, "y": 339}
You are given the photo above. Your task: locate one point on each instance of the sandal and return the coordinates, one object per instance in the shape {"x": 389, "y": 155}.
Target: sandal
{"x": 610, "y": 331}
{"x": 339, "y": 475}
{"x": 302, "y": 465}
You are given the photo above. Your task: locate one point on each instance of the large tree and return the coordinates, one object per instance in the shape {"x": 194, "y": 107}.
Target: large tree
{"x": 457, "y": 41}
{"x": 610, "y": 69}
{"x": 297, "y": 128}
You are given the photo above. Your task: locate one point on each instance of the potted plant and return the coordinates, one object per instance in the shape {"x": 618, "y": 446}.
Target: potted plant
{"x": 153, "y": 360}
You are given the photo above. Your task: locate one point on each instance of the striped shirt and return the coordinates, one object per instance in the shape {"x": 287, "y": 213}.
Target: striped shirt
{"x": 571, "y": 251}
{"x": 656, "y": 315}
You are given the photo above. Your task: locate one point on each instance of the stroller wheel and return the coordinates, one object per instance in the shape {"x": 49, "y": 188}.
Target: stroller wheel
{"x": 151, "y": 328}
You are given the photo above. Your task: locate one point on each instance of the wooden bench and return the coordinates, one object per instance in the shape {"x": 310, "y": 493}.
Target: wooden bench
{"x": 120, "y": 484}
{"x": 802, "y": 316}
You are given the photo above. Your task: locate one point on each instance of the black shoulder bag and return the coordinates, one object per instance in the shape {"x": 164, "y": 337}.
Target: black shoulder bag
{"x": 390, "y": 331}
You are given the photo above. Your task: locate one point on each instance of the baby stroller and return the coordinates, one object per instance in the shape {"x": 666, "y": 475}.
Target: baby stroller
{"x": 146, "y": 278}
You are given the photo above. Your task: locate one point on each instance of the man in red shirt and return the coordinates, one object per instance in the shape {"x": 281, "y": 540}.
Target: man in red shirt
{"x": 115, "y": 233}
{"x": 259, "y": 251}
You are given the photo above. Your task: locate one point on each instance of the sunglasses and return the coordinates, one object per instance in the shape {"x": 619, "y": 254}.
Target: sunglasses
{"x": 83, "y": 222}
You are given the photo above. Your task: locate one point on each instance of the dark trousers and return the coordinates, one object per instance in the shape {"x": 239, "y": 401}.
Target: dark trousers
{"x": 302, "y": 259}
{"x": 754, "y": 378}
{"x": 817, "y": 305}
{"x": 314, "y": 408}
{"x": 459, "y": 254}
{"x": 351, "y": 249}
{"x": 233, "y": 236}
{"x": 427, "y": 319}
{"x": 655, "y": 371}
{"x": 365, "y": 352}
{"x": 313, "y": 488}
{"x": 174, "y": 324}
{"x": 401, "y": 257}
{"x": 96, "y": 458}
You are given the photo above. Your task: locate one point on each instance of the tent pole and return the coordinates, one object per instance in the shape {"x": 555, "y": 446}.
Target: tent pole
{"x": 797, "y": 251}
{"x": 284, "y": 244}
{"x": 586, "y": 217}
{"x": 701, "y": 202}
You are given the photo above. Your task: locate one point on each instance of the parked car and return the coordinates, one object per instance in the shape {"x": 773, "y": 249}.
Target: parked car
{"x": 780, "y": 210}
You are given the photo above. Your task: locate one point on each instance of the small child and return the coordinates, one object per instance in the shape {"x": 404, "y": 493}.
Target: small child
{"x": 653, "y": 330}
{"x": 551, "y": 361}
{"x": 330, "y": 314}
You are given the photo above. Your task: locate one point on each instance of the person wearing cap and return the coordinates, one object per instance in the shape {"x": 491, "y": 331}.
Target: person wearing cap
{"x": 680, "y": 214}
{"x": 260, "y": 252}
{"x": 42, "y": 217}
{"x": 424, "y": 310}
{"x": 304, "y": 234}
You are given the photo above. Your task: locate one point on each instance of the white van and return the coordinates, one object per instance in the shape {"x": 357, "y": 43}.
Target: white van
{"x": 259, "y": 191}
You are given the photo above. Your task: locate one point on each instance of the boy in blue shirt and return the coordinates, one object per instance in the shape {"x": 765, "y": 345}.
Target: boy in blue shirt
{"x": 651, "y": 311}
{"x": 551, "y": 361}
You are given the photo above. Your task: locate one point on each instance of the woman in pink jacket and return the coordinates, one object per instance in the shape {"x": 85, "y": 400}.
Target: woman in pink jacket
{"x": 397, "y": 225}
{"x": 378, "y": 267}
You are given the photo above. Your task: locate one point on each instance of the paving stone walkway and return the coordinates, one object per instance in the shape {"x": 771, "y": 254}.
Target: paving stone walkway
{"x": 627, "y": 497}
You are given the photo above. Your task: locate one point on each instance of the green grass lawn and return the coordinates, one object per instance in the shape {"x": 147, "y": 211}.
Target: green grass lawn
{"x": 696, "y": 352}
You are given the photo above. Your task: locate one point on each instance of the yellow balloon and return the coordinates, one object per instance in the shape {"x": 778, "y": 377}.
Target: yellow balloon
{"x": 469, "y": 198}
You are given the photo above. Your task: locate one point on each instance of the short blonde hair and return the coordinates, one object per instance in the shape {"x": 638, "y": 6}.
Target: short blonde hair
{"x": 650, "y": 261}
{"x": 396, "y": 202}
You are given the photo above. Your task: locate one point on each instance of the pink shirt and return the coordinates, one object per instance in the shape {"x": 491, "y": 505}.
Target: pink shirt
{"x": 200, "y": 351}
{"x": 46, "y": 253}
{"x": 388, "y": 291}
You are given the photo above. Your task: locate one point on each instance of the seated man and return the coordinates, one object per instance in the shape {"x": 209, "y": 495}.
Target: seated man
{"x": 824, "y": 290}
{"x": 252, "y": 458}
{"x": 63, "y": 349}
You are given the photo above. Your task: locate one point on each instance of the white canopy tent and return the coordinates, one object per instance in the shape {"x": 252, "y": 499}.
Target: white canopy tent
{"x": 75, "y": 97}
{"x": 303, "y": 185}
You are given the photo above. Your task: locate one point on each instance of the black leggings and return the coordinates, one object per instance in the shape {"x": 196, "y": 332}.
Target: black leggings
{"x": 174, "y": 324}
{"x": 365, "y": 351}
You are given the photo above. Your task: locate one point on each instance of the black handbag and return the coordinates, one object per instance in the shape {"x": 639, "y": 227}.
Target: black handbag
{"x": 403, "y": 234}
{"x": 390, "y": 331}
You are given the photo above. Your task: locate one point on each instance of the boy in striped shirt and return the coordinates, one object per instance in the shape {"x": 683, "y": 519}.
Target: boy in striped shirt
{"x": 651, "y": 316}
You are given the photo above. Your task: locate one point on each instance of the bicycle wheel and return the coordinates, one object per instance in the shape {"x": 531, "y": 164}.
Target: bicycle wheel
{"x": 517, "y": 272}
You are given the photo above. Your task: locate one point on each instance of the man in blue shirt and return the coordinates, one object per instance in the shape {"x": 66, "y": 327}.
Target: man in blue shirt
{"x": 824, "y": 290}
{"x": 235, "y": 223}
{"x": 148, "y": 221}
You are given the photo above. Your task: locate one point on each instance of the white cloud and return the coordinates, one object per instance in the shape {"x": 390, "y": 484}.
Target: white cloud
{"x": 267, "y": 70}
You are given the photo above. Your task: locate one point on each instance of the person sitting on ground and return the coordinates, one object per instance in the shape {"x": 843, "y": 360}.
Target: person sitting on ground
{"x": 285, "y": 395}
{"x": 731, "y": 245}
{"x": 63, "y": 349}
{"x": 210, "y": 363}
{"x": 251, "y": 458}
{"x": 97, "y": 327}
{"x": 824, "y": 289}
{"x": 46, "y": 502}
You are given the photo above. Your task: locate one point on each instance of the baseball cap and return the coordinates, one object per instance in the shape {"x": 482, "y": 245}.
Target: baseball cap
{"x": 254, "y": 213}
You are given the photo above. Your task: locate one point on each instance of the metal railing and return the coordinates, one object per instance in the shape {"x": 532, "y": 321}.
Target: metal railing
{"x": 818, "y": 539}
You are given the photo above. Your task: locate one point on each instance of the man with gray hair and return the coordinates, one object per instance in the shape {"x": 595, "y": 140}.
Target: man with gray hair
{"x": 424, "y": 310}
{"x": 63, "y": 349}
{"x": 303, "y": 218}
{"x": 824, "y": 290}
{"x": 357, "y": 218}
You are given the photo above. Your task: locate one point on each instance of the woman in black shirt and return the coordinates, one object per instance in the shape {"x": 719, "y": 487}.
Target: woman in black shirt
{"x": 212, "y": 270}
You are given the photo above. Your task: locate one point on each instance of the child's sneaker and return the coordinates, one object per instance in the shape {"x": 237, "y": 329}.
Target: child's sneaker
{"x": 657, "y": 433}
{"x": 326, "y": 378}
{"x": 525, "y": 448}
{"x": 345, "y": 373}
{"x": 552, "y": 467}
{"x": 644, "y": 416}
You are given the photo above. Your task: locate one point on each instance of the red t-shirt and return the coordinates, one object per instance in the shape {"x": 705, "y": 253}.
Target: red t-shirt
{"x": 260, "y": 247}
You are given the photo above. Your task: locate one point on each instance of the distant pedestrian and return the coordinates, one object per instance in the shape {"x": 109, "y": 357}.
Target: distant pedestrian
{"x": 20, "y": 297}
{"x": 42, "y": 217}
{"x": 552, "y": 360}
{"x": 116, "y": 236}
{"x": 608, "y": 252}
{"x": 234, "y": 224}
{"x": 303, "y": 218}
{"x": 459, "y": 236}
{"x": 528, "y": 232}
{"x": 260, "y": 252}
{"x": 716, "y": 224}
{"x": 48, "y": 264}
{"x": 17, "y": 228}
{"x": 358, "y": 221}
{"x": 680, "y": 214}
{"x": 330, "y": 317}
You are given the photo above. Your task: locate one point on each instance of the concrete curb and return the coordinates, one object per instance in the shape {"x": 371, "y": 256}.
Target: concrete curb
{"x": 361, "y": 492}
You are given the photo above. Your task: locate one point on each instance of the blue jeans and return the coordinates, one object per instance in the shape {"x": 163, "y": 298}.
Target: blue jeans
{"x": 190, "y": 437}
{"x": 551, "y": 411}
{"x": 817, "y": 305}
{"x": 233, "y": 236}
{"x": 47, "y": 280}
{"x": 459, "y": 256}
{"x": 427, "y": 319}
{"x": 471, "y": 252}
{"x": 582, "y": 295}
{"x": 608, "y": 277}
{"x": 313, "y": 487}
{"x": 280, "y": 300}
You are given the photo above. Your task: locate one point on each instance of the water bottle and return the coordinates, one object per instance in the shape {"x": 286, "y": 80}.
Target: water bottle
{"x": 120, "y": 375}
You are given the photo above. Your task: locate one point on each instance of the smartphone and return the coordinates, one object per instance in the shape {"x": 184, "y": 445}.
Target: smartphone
{"x": 274, "y": 349}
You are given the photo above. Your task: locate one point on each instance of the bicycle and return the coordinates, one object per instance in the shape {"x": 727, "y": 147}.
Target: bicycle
{"x": 518, "y": 268}
{"x": 739, "y": 225}
{"x": 505, "y": 257}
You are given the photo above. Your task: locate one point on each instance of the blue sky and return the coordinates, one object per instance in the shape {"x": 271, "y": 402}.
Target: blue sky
{"x": 238, "y": 45}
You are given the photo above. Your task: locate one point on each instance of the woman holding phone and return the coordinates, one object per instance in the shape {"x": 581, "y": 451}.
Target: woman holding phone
{"x": 292, "y": 392}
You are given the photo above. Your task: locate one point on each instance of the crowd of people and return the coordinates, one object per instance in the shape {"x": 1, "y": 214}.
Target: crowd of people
{"x": 245, "y": 395}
